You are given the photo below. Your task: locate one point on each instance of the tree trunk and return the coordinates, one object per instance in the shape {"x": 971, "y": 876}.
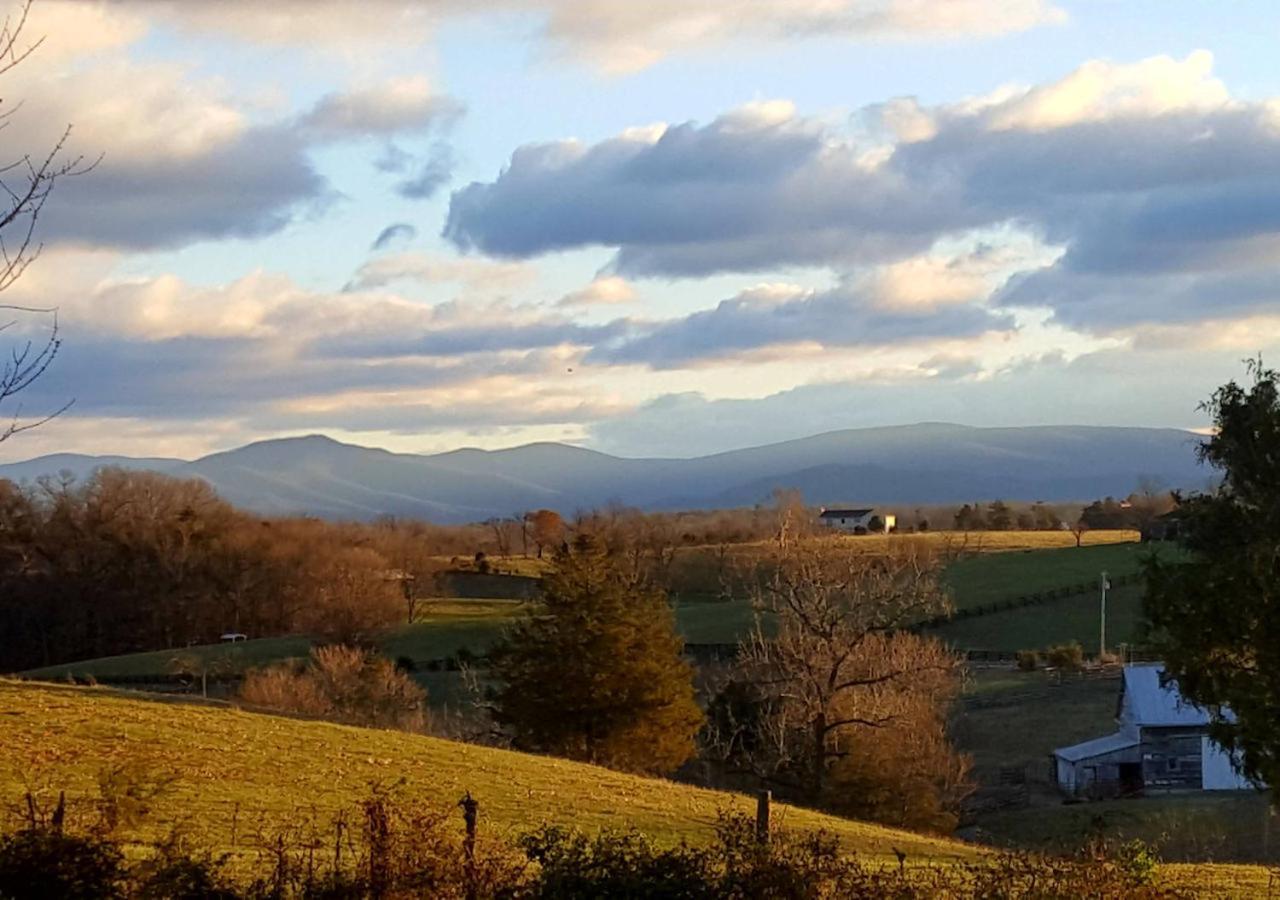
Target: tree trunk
{"x": 819, "y": 760}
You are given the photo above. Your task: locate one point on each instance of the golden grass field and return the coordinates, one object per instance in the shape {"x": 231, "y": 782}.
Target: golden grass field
{"x": 229, "y": 763}
{"x": 233, "y": 766}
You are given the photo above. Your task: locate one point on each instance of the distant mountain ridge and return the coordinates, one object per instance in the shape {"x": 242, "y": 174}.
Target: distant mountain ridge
{"x": 910, "y": 464}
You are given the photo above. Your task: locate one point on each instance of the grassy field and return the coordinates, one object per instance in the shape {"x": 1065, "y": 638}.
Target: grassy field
{"x": 233, "y": 776}
{"x": 698, "y": 573}
{"x": 1229, "y": 826}
{"x": 232, "y": 764}
{"x": 981, "y": 579}
{"x": 1056, "y": 622}
{"x": 996, "y": 566}
{"x": 1015, "y": 720}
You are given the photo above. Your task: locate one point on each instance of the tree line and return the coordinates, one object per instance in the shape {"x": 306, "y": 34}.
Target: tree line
{"x": 128, "y": 561}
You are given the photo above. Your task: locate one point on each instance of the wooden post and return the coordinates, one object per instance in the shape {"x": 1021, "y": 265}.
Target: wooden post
{"x": 763, "y": 799}
{"x": 470, "y": 813}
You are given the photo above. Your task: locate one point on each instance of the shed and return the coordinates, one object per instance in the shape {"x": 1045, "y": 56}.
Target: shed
{"x": 1104, "y": 766}
{"x": 1162, "y": 744}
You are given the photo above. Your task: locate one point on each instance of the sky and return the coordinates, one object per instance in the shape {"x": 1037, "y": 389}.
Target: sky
{"x": 658, "y": 229}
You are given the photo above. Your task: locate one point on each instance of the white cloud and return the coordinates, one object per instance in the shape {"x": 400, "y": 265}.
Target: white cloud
{"x": 1146, "y": 192}
{"x": 607, "y": 290}
{"x": 474, "y": 274}
{"x": 617, "y": 37}
{"x": 1101, "y": 91}
{"x": 396, "y": 106}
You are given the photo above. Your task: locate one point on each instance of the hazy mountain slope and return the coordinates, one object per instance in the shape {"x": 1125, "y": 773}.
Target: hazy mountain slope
{"x": 80, "y": 465}
{"x": 915, "y": 464}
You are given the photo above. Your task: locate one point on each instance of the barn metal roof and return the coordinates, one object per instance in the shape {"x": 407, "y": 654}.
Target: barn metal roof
{"x": 1096, "y": 747}
{"x": 1156, "y": 702}
{"x": 845, "y": 513}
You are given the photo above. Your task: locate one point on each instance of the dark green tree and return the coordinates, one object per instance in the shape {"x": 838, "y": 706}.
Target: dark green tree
{"x": 596, "y": 671}
{"x": 1216, "y": 614}
{"x": 999, "y": 516}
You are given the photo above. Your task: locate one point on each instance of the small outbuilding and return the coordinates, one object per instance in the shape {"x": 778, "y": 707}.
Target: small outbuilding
{"x": 1162, "y": 744}
{"x": 858, "y": 521}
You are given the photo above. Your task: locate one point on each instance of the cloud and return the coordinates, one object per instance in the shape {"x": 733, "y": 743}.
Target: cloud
{"x": 473, "y": 274}
{"x": 1147, "y": 177}
{"x": 432, "y": 174}
{"x": 394, "y": 234}
{"x": 273, "y": 355}
{"x": 774, "y": 315}
{"x": 612, "y": 36}
{"x": 1159, "y": 390}
{"x": 396, "y": 107}
{"x": 183, "y": 160}
{"x": 606, "y": 290}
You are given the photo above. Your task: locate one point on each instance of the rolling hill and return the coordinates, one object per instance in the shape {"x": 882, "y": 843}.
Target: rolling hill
{"x": 915, "y": 464}
{"x": 228, "y": 776}
{"x": 231, "y": 764}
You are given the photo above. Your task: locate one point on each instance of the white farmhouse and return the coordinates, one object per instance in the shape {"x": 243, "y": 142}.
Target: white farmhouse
{"x": 858, "y": 521}
{"x": 1162, "y": 744}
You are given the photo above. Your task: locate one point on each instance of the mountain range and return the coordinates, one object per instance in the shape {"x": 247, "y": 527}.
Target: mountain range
{"x": 909, "y": 465}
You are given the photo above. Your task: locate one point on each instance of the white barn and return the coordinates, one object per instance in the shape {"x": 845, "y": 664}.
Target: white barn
{"x": 1162, "y": 744}
{"x": 858, "y": 521}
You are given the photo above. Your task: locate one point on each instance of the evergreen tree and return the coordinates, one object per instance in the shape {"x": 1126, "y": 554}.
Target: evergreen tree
{"x": 1217, "y": 614}
{"x": 596, "y": 673}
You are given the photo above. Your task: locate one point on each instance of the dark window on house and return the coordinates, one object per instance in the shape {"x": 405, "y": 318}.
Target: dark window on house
{"x": 1171, "y": 764}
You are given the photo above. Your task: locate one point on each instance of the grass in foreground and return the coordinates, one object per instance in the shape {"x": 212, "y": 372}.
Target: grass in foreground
{"x": 233, "y": 766}
{"x": 232, "y": 770}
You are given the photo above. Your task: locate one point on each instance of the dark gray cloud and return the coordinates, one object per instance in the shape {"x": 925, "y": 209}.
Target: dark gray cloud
{"x": 735, "y": 195}
{"x": 454, "y": 340}
{"x": 246, "y": 187}
{"x": 396, "y": 233}
{"x": 430, "y": 175}
{"x": 768, "y": 317}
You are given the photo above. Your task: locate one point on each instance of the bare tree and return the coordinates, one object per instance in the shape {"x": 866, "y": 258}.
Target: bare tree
{"x": 25, "y": 186}
{"x": 1078, "y": 531}
{"x": 829, "y": 655}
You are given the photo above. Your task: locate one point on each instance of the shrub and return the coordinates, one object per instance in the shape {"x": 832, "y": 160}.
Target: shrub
{"x": 341, "y": 684}
{"x": 126, "y": 793}
{"x": 1067, "y": 657}
{"x": 41, "y": 863}
{"x": 1028, "y": 660}
{"x": 174, "y": 873}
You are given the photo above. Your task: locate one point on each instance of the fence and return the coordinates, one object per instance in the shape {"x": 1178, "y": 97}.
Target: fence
{"x": 1035, "y": 598}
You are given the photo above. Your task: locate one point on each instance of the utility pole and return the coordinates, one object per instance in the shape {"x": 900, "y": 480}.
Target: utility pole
{"x": 1102, "y": 617}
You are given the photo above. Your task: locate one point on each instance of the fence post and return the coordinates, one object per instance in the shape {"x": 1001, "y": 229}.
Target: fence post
{"x": 763, "y": 800}
{"x": 470, "y": 813}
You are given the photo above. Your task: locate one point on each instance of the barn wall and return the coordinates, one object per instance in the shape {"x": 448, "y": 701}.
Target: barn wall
{"x": 1095, "y": 776}
{"x": 1216, "y": 771}
{"x": 1171, "y": 758}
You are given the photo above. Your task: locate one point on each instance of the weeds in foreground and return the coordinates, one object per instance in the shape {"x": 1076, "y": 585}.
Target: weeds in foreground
{"x": 388, "y": 849}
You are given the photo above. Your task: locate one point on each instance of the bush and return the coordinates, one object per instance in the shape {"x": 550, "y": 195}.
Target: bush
{"x": 1028, "y": 660}
{"x": 42, "y": 863}
{"x": 1066, "y": 657}
{"x": 174, "y": 873}
{"x": 396, "y": 850}
{"x": 341, "y": 684}
{"x": 126, "y": 793}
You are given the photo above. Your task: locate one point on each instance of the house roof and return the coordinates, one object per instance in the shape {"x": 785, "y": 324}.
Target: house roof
{"x": 1156, "y": 704}
{"x": 1096, "y": 747}
{"x": 845, "y": 513}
